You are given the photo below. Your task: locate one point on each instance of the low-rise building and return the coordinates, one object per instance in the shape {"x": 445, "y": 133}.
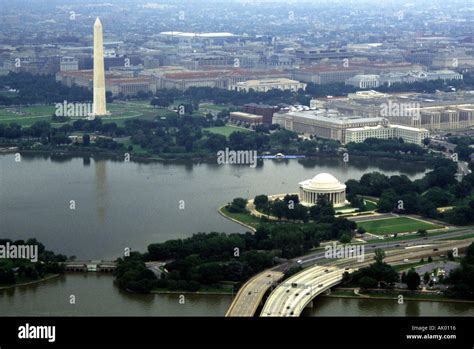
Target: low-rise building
{"x": 265, "y": 85}
{"x": 266, "y": 111}
{"x": 325, "y": 75}
{"x": 323, "y": 123}
{"x": 246, "y": 118}
{"x": 408, "y": 134}
{"x": 364, "y": 81}
{"x": 115, "y": 82}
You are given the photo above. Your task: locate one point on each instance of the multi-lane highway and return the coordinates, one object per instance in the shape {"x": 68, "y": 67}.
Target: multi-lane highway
{"x": 251, "y": 293}
{"x": 295, "y": 293}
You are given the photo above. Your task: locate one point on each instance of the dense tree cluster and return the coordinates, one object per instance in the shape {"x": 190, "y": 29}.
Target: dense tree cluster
{"x": 377, "y": 274}
{"x": 289, "y": 208}
{"x": 207, "y": 259}
{"x": 12, "y": 270}
{"x": 132, "y": 275}
{"x": 393, "y": 148}
{"x": 33, "y": 89}
{"x": 462, "y": 278}
{"x": 438, "y": 188}
{"x": 463, "y": 147}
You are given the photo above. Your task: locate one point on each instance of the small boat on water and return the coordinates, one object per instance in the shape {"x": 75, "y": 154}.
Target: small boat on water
{"x": 280, "y": 156}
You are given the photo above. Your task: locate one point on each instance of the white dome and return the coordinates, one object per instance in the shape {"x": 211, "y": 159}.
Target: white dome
{"x": 324, "y": 179}
{"x": 324, "y": 182}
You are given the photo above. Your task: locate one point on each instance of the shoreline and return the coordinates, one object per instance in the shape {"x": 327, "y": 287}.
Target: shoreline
{"x": 369, "y": 296}
{"x": 140, "y": 158}
{"x": 30, "y": 282}
{"x": 220, "y": 210}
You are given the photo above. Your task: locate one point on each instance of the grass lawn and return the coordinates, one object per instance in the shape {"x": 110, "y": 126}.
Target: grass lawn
{"x": 137, "y": 149}
{"x": 121, "y": 111}
{"x": 225, "y": 130}
{"x": 395, "y": 225}
{"x": 370, "y": 205}
{"x": 462, "y": 237}
{"x": 245, "y": 218}
{"x": 26, "y": 116}
{"x": 213, "y": 107}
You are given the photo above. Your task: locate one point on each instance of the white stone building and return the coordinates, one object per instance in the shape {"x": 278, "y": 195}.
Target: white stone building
{"x": 323, "y": 184}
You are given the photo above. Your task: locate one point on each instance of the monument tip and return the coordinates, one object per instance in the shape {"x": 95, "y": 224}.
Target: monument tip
{"x": 97, "y": 21}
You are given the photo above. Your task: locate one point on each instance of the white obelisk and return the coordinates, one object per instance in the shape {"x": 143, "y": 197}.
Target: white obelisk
{"x": 99, "y": 105}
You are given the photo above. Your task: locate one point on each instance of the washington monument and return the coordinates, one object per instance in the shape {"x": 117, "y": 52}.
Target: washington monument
{"x": 99, "y": 104}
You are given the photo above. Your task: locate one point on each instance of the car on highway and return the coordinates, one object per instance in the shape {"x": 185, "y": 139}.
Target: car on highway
{"x": 299, "y": 261}
{"x": 320, "y": 285}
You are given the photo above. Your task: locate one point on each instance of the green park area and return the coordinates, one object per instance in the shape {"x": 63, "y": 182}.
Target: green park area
{"x": 26, "y": 116}
{"x": 243, "y": 217}
{"x": 214, "y": 107}
{"x": 120, "y": 112}
{"x": 396, "y": 225}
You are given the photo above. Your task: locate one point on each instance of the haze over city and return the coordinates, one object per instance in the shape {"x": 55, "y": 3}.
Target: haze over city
{"x": 237, "y": 158}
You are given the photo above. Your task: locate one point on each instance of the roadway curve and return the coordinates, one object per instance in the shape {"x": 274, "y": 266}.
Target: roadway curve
{"x": 291, "y": 297}
{"x": 252, "y": 292}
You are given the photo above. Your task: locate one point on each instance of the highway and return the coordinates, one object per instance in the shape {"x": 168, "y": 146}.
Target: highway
{"x": 251, "y": 294}
{"x": 292, "y": 296}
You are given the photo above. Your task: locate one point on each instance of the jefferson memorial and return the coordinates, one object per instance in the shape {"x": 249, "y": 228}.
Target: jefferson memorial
{"x": 323, "y": 184}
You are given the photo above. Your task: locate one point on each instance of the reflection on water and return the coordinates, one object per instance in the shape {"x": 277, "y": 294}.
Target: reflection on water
{"x": 101, "y": 189}
{"x": 132, "y": 204}
{"x": 96, "y": 295}
{"x": 326, "y": 306}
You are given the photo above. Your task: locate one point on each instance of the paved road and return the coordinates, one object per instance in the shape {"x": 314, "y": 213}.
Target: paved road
{"x": 252, "y": 292}
{"x": 291, "y": 297}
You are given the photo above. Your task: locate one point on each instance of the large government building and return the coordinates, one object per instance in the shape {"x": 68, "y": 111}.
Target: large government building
{"x": 323, "y": 184}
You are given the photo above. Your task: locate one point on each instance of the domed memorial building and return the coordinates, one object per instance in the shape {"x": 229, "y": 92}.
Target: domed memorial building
{"x": 323, "y": 184}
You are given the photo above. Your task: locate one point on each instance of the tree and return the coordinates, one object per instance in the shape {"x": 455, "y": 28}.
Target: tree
{"x": 345, "y": 239}
{"x": 426, "y": 277}
{"x": 361, "y": 231}
{"x": 86, "y": 140}
{"x": 422, "y": 232}
{"x": 367, "y": 282}
{"x": 238, "y": 205}
{"x": 260, "y": 201}
{"x": 379, "y": 255}
{"x": 412, "y": 279}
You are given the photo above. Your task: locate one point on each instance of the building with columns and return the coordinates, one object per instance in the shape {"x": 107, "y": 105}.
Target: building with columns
{"x": 323, "y": 184}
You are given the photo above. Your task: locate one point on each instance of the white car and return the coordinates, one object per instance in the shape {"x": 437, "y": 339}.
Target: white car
{"x": 299, "y": 261}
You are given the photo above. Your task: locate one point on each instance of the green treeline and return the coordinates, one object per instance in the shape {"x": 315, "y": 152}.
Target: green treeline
{"x": 13, "y": 270}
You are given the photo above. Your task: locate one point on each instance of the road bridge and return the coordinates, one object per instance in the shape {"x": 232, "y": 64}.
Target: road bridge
{"x": 291, "y": 297}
